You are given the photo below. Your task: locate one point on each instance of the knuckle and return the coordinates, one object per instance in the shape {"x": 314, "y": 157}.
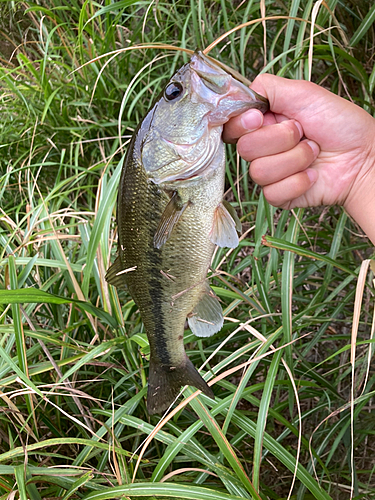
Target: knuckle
{"x": 228, "y": 138}
{"x": 231, "y": 132}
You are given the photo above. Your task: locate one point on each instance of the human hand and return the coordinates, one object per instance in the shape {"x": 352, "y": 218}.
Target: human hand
{"x": 333, "y": 164}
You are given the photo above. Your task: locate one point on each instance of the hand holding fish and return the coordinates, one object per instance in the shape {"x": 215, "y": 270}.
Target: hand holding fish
{"x": 314, "y": 148}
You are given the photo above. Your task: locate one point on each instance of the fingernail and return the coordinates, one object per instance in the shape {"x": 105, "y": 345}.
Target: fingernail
{"x": 300, "y": 129}
{"x": 252, "y": 120}
{"x": 312, "y": 175}
{"x": 315, "y": 148}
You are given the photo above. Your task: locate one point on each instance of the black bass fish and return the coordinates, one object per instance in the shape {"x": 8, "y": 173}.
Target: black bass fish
{"x": 170, "y": 216}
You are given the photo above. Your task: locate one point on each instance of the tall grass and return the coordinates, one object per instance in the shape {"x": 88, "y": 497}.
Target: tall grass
{"x": 291, "y": 368}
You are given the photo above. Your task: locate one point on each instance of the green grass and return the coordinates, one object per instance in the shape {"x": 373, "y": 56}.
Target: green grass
{"x": 289, "y": 417}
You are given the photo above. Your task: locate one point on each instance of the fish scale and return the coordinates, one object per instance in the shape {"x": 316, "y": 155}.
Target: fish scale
{"x": 170, "y": 216}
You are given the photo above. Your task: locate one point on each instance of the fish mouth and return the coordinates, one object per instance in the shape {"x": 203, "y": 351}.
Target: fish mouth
{"x": 211, "y": 83}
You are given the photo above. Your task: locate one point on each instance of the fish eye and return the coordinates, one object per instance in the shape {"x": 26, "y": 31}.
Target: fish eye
{"x": 173, "y": 90}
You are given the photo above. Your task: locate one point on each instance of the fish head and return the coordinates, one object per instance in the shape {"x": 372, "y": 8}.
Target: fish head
{"x": 182, "y": 132}
{"x": 224, "y": 94}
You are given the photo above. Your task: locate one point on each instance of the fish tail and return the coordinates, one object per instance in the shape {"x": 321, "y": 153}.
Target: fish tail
{"x": 165, "y": 382}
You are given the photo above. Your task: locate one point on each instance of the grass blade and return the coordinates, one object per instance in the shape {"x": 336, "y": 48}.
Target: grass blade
{"x": 262, "y": 417}
{"x": 364, "y": 27}
{"x": 161, "y": 489}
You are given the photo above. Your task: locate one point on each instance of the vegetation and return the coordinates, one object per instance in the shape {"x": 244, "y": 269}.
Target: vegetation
{"x": 294, "y": 412}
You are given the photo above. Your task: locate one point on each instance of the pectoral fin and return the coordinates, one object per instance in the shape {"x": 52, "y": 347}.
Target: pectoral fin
{"x": 206, "y": 318}
{"x": 169, "y": 219}
{"x": 225, "y": 227}
{"x": 234, "y": 215}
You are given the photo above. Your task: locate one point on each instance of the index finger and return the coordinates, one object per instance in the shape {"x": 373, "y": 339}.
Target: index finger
{"x": 245, "y": 123}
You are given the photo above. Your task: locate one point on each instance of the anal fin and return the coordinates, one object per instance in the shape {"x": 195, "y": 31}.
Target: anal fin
{"x": 206, "y": 319}
{"x": 224, "y": 228}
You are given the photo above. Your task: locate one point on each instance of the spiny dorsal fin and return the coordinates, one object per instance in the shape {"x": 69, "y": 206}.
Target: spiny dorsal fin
{"x": 206, "y": 319}
{"x": 114, "y": 274}
{"x": 223, "y": 232}
{"x": 169, "y": 219}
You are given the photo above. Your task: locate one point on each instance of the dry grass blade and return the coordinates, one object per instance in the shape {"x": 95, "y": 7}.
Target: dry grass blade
{"x": 313, "y": 21}
{"x": 244, "y": 25}
{"x": 186, "y": 469}
{"x": 139, "y": 46}
{"x": 361, "y": 283}
{"x": 59, "y": 372}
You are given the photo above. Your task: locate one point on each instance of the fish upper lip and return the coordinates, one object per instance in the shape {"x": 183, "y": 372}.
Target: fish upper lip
{"x": 258, "y": 101}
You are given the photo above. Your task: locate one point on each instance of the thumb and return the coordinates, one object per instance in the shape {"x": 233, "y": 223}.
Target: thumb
{"x": 325, "y": 117}
{"x": 288, "y": 97}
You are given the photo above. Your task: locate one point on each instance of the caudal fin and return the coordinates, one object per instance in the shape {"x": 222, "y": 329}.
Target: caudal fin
{"x": 165, "y": 382}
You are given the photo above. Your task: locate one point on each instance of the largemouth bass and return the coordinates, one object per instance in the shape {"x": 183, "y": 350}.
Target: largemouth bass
{"x": 171, "y": 214}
